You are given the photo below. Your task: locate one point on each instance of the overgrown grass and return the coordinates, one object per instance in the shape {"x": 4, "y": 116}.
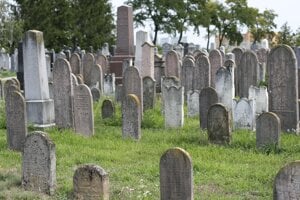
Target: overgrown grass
{"x": 234, "y": 171}
{"x": 6, "y": 73}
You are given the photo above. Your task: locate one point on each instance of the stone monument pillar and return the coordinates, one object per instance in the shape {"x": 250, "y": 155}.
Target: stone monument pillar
{"x": 40, "y": 108}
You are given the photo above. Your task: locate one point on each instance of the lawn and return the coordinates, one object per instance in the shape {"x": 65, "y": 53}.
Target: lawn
{"x": 234, "y": 171}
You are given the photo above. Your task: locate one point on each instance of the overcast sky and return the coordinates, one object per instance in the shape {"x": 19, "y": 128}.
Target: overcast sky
{"x": 287, "y": 10}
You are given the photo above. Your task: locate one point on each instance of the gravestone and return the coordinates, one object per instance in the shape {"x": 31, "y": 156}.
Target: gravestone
{"x": 40, "y": 108}
{"x": 173, "y": 98}
{"x": 103, "y": 62}
{"x": 126, "y": 63}
{"x": 208, "y": 96}
{"x": 261, "y": 97}
{"x": 193, "y": 103}
{"x": 238, "y": 52}
{"x": 215, "y": 59}
{"x": 83, "y": 110}
{"x": 247, "y": 73}
{"x": 267, "y": 130}
{"x": 119, "y": 93}
{"x": 90, "y": 182}
{"x": 167, "y": 82}
{"x": 159, "y": 71}
{"x": 79, "y": 79}
{"x": 180, "y": 51}
{"x": 131, "y": 117}
{"x": 141, "y": 38}
{"x": 96, "y": 94}
{"x": 107, "y": 109}
{"x": 188, "y": 68}
{"x": 282, "y": 86}
{"x": 105, "y": 49}
{"x": 149, "y": 93}
{"x": 224, "y": 85}
{"x": 96, "y": 78}
{"x": 244, "y": 114}
{"x": 262, "y": 55}
{"x": 39, "y": 164}
{"x": 218, "y": 124}
{"x": 20, "y": 71}
{"x": 132, "y": 84}
{"x": 287, "y": 182}
{"x": 166, "y": 47}
{"x": 172, "y": 65}
{"x": 201, "y": 78}
{"x": 88, "y": 61}
{"x": 176, "y": 175}
{"x": 109, "y": 85}
{"x": 74, "y": 80}
{"x": 63, "y": 94}
{"x": 147, "y": 67}
{"x": 16, "y": 121}
{"x": 75, "y": 63}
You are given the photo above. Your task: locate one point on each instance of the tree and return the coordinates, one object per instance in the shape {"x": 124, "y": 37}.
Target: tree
{"x": 264, "y": 25}
{"x": 297, "y": 37}
{"x": 155, "y": 11}
{"x": 285, "y": 35}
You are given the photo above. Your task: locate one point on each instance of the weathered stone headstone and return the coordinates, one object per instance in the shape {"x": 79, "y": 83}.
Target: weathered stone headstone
{"x": 173, "y": 98}
{"x": 267, "y": 130}
{"x": 20, "y": 71}
{"x": 193, "y": 103}
{"x": 96, "y": 78}
{"x": 109, "y": 85}
{"x": 107, "y": 109}
{"x": 244, "y": 114}
{"x": 215, "y": 59}
{"x": 16, "y": 119}
{"x": 201, "y": 78}
{"x": 167, "y": 82}
{"x": 131, "y": 117}
{"x": 224, "y": 85}
{"x": 90, "y": 182}
{"x": 207, "y": 97}
{"x": 119, "y": 93}
{"x": 83, "y": 110}
{"x": 159, "y": 71}
{"x": 218, "y": 124}
{"x": 187, "y": 73}
{"x": 74, "y": 80}
{"x": 282, "y": 86}
{"x": 172, "y": 65}
{"x": 247, "y": 73}
{"x": 287, "y": 182}
{"x": 149, "y": 93}
{"x": 261, "y": 97}
{"x": 96, "y": 94}
{"x": 176, "y": 175}
{"x": 88, "y": 61}
{"x": 237, "y": 58}
{"x": 166, "y": 47}
{"x": 39, "y": 164}
{"x": 103, "y": 62}
{"x": 147, "y": 67}
{"x": 180, "y": 51}
{"x": 141, "y": 38}
{"x": 40, "y": 108}
{"x": 63, "y": 94}
{"x": 75, "y": 63}
{"x": 132, "y": 84}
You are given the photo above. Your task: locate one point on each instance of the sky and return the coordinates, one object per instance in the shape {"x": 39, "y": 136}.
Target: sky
{"x": 287, "y": 10}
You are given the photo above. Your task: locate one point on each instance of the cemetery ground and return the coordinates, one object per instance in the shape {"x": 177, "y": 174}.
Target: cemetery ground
{"x": 234, "y": 171}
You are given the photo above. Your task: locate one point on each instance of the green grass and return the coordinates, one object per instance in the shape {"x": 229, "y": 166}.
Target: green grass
{"x": 234, "y": 171}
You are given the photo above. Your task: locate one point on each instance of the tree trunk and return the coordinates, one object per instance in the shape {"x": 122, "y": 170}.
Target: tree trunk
{"x": 180, "y": 37}
{"x": 208, "y": 39}
{"x": 155, "y": 34}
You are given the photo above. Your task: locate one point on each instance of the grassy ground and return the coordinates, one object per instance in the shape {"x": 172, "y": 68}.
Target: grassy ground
{"x": 235, "y": 171}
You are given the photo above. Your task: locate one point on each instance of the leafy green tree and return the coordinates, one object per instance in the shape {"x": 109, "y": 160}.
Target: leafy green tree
{"x": 297, "y": 37}
{"x": 264, "y": 25}
{"x": 155, "y": 11}
{"x": 285, "y": 35}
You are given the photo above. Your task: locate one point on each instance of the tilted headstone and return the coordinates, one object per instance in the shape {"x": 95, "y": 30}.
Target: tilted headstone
{"x": 83, "y": 110}
{"x": 218, "y": 124}
{"x": 172, "y": 65}
{"x": 107, "y": 109}
{"x": 133, "y": 84}
{"x": 267, "y": 130}
{"x": 109, "y": 85}
{"x": 176, "y": 175}
{"x": 244, "y": 114}
{"x": 16, "y": 119}
{"x": 88, "y": 61}
{"x": 261, "y": 97}
{"x": 201, "y": 78}
{"x": 149, "y": 93}
{"x": 147, "y": 67}
{"x": 63, "y": 94}
{"x": 173, "y": 106}
{"x": 131, "y": 117}
{"x": 224, "y": 85}
{"x": 282, "y": 87}
{"x": 247, "y": 73}
{"x": 215, "y": 59}
{"x": 75, "y": 63}
{"x": 39, "y": 164}
{"x": 287, "y": 182}
{"x": 90, "y": 182}
{"x": 208, "y": 96}
{"x": 40, "y": 108}
{"x": 193, "y": 103}
{"x": 187, "y": 73}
